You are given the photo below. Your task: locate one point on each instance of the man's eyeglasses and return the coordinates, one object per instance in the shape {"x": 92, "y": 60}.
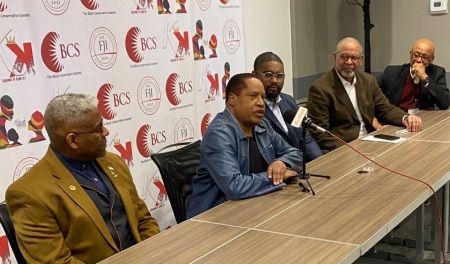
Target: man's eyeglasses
{"x": 97, "y": 130}
{"x": 269, "y": 75}
{"x": 424, "y": 57}
{"x": 345, "y": 57}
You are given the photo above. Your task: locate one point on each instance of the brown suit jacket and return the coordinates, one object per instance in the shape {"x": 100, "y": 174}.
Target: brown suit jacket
{"x": 57, "y": 222}
{"x": 329, "y": 107}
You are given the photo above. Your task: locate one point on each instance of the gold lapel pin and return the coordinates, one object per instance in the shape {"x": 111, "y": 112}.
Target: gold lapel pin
{"x": 72, "y": 188}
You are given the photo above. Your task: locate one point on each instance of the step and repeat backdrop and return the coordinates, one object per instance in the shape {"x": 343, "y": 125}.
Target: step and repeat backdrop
{"x": 158, "y": 68}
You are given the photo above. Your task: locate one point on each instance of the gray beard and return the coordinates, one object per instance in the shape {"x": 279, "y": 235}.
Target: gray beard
{"x": 416, "y": 79}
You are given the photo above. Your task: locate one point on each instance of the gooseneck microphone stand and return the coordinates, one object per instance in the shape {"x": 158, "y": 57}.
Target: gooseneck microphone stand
{"x": 304, "y": 175}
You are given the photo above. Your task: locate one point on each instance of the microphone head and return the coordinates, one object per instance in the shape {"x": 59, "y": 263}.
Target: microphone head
{"x": 289, "y": 115}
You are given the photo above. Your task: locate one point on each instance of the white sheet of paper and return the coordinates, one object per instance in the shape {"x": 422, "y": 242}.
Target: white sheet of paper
{"x": 372, "y": 138}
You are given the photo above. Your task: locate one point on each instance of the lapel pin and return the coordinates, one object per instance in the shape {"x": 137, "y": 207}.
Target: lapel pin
{"x": 72, "y": 188}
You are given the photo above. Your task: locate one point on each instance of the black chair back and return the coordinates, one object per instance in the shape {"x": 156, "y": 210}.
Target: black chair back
{"x": 177, "y": 167}
{"x": 10, "y": 233}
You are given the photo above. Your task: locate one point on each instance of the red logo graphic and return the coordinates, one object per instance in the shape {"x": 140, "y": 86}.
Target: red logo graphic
{"x": 214, "y": 84}
{"x": 143, "y": 4}
{"x": 23, "y": 166}
{"x": 126, "y": 153}
{"x": 205, "y": 123}
{"x": 231, "y": 36}
{"x": 184, "y": 131}
{"x": 178, "y": 40}
{"x": 171, "y": 89}
{"x": 24, "y": 56}
{"x": 3, "y": 6}
{"x": 141, "y": 141}
{"x": 131, "y": 44}
{"x": 204, "y": 4}
{"x": 145, "y": 138}
{"x": 103, "y": 48}
{"x": 155, "y": 188}
{"x": 104, "y": 106}
{"x": 89, "y": 4}
{"x": 149, "y": 95}
{"x": 4, "y": 249}
{"x": 56, "y": 7}
{"x": 48, "y": 52}
{"x": 224, "y": 1}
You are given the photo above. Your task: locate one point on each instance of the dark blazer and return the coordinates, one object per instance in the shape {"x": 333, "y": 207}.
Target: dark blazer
{"x": 393, "y": 79}
{"x": 329, "y": 106}
{"x": 56, "y": 221}
{"x": 294, "y": 135}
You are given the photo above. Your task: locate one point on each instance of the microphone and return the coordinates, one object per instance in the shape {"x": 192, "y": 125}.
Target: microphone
{"x": 300, "y": 119}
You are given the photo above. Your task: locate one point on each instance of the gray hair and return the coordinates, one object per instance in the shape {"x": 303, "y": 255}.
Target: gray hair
{"x": 68, "y": 108}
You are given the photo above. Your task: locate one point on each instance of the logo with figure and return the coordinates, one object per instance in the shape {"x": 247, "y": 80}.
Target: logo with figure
{"x": 6, "y": 114}
{"x": 36, "y": 124}
{"x": 212, "y": 45}
{"x": 5, "y": 254}
{"x": 149, "y": 95}
{"x": 197, "y": 39}
{"x": 225, "y": 79}
{"x": 23, "y": 166}
{"x": 143, "y": 5}
{"x": 184, "y": 131}
{"x": 103, "y": 48}
{"x": 209, "y": 83}
{"x": 231, "y": 36}
{"x": 178, "y": 41}
{"x": 182, "y": 9}
{"x": 126, "y": 151}
{"x": 22, "y": 57}
{"x": 3, "y": 6}
{"x": 155, "y": 190}
{"x": 56, "y": 7}
{"x": 205, "y": 123}
{"x": 89, "y": 4}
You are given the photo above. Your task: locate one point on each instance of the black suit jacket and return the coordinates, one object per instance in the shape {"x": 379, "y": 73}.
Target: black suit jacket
{"x": 393, "y": 80}
{"x": 294, "y": 135}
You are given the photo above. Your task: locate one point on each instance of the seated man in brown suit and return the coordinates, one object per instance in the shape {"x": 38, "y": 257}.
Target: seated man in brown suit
{"x": 78, "y": 204}
{"x": 345, "y": 100}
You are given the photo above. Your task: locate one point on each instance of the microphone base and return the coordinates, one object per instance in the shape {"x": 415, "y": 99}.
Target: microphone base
{"x": 305, "y": 176}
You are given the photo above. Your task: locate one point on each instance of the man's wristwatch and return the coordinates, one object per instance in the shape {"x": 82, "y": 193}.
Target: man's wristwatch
{"x": 426, "y": 82}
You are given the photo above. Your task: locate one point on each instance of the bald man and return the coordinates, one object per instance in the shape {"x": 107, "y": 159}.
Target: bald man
{"x": 418, "y": 84}
{"x": 345, "y": 100}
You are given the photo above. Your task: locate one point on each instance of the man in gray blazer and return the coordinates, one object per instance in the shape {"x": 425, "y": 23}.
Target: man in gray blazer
{"x": 345, "y": 100}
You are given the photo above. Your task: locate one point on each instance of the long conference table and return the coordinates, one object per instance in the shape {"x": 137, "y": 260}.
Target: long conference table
{"x": 349, "y": 214}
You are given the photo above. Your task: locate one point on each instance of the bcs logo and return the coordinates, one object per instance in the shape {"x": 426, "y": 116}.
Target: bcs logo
{"x": 149, "y": 95}
{"x": 3, "y": 6}
{"x": 23, "y": 61}
{"x": 205, "y": 123}
{"x": 175, "y": 88}
{"x": 103, "y": 48}
{"x": 108, "y": 100}
{"x": 89, "y": 4}
{"x": 56, "y": 7}
{"x": 135, "y": 45}
{"x": 184, "y": 131}
{"x": 23, "y": 166}
{"x": 204, "y": 4}
{"x": 231, "y": 36}
{"x": 145, "y": 139}
{"x": 53, "y": 52}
